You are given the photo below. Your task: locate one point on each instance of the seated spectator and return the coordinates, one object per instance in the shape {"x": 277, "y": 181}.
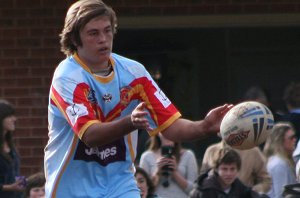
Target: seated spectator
{"x": 172, "y": 168}
{"x": 278, "y": 149}
{"x": 253, "y": 172}
{"x": 35, "y": 187}
{"x": 144, "y": 183}
{"x": 223, "y": 181}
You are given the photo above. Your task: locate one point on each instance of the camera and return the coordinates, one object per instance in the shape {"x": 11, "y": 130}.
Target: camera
{"x": 166, "y": 151}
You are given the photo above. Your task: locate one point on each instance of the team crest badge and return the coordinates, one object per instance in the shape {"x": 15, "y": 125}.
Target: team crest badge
{"x": 125, "y": 95}
{"x": 107, "y": 97}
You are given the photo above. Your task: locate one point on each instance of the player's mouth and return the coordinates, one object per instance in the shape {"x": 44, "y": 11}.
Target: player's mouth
{"x": 104, "y": 50}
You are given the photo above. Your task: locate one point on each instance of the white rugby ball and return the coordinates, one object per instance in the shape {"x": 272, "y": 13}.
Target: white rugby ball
{"x": 246, "y": 125}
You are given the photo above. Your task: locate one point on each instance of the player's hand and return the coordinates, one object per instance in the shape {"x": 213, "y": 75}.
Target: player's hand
{"x": 138, "y": 117}
{"x": 214, "y": 118}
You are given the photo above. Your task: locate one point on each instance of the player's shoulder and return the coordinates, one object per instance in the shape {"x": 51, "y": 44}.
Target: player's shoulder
{"x": 67, "y": 66}
{"x": 124, "y": 60}
{"x": 69, "y": 69}
{"x": 128, "y": 64}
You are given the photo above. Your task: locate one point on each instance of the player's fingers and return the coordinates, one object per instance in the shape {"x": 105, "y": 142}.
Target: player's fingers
{"x": 140, "y": 114}
{"x": 141, "y": 106}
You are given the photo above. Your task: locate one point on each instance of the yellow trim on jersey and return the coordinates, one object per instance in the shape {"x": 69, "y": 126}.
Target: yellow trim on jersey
{"x": 140, "y": 89}
{"x": 104, "y": 79}
{"x": 165, "y": 125}
{"x": 64, "y": 166}
{"x": 130, "y": 147}
{"x": 58, "y": 106}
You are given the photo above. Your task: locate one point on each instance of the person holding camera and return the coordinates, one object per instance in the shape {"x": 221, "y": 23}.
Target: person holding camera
{"x": 172, "y": 168}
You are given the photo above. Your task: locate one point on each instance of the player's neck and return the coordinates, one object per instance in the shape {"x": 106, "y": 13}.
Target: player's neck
{"x": 104, "y": 71}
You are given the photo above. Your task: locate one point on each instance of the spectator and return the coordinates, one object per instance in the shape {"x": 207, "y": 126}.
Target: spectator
{"x": 256, "y": 93}
{"x": 9, "y": 158}
{"x": 144, "y": 183}
{"x": 223, "y": 180}
{"x": 253, "y": 172}
{"x": 278, "y": 149}
{"x": 291, "y": 97}
{"x": 172, "y": 168}
{"x": 35, "y": 187}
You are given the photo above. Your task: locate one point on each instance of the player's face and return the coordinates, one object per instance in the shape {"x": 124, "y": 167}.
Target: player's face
{"x": 9, "y": 123}
{"x": 289, "y": 142}
{"x": 227, "y": 174}
{"x": 97, "y": 39}
{"x": 142, "y": 184}
{"x": 37, "y": 192}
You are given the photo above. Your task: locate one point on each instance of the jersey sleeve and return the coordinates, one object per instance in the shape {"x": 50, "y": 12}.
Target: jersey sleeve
{"x": 162, "y": 113}
{"x": 75, "y": 102}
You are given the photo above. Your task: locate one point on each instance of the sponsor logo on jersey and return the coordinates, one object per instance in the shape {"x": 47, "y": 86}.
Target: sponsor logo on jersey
{"x": 104, "y": 155}
{"x": 162, "y": 98}
{"x": 237, "y": 139}
{"x": 76, "y": 111}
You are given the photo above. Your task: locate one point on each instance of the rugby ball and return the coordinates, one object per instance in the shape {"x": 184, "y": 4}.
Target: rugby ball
{"x": 246, "y": 125}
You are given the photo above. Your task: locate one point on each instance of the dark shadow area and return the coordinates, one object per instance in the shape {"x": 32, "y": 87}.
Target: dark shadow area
{"x": 199, "y": 69}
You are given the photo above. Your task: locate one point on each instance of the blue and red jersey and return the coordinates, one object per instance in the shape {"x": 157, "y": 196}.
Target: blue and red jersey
{"x": 79, "y": 99}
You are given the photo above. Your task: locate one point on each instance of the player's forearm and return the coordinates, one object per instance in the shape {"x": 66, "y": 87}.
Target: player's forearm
{"x": 186, "y": 130}
{"x": 104, "y": 133}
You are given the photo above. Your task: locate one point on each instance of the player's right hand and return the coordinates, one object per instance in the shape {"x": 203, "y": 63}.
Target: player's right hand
{"x": 138, "y": 117}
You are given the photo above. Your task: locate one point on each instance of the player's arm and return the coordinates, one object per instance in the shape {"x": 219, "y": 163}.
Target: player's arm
{"x": 103, "y": 133}
{"x": 187, "y": 130}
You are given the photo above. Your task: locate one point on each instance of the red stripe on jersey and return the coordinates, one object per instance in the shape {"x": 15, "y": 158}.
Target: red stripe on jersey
{"x": 59, "y": 102}
{"x": 158, "y": 112}
{"x": 83, "y": 95}
{"x": 143, "y": 89}
{"x": 79, "y": 97}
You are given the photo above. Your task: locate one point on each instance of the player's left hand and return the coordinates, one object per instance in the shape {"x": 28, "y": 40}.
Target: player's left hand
{"x": 215, "y": 116}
